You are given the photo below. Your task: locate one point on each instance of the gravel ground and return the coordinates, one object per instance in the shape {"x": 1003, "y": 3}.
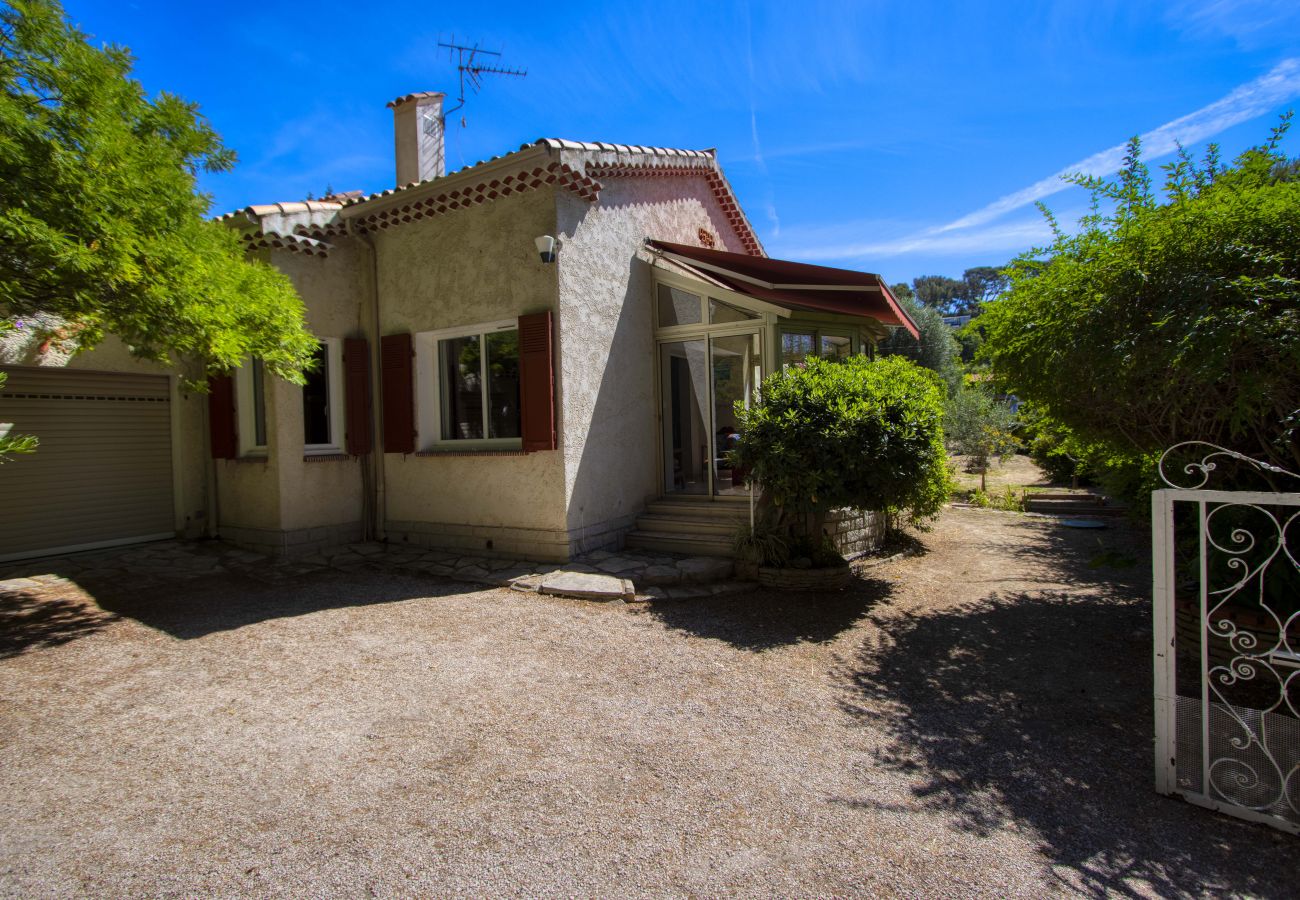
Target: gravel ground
{"x": 971, "y": 721}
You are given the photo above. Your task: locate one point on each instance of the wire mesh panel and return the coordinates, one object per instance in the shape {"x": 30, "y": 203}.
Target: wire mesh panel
{"x": 1227, "y": 594}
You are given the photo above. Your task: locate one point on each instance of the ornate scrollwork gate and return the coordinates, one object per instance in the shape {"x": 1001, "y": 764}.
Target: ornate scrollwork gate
{"x": 1227, "y": 638}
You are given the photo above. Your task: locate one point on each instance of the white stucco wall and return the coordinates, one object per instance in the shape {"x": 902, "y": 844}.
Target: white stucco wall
{"x": 608, "y": 417}
{"x": 469, "y": 267}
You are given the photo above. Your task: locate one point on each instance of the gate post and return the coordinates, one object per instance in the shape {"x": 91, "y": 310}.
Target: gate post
{"x": 1164, "y": 631}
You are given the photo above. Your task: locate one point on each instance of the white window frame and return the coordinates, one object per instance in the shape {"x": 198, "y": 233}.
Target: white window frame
{"x": 246, "y": 409}
{"x": 334, "y": 391}
{"x": 428, "y": 391}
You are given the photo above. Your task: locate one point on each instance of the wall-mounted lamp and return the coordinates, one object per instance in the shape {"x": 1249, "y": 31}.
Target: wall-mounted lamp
{"x": 545, "y": 248}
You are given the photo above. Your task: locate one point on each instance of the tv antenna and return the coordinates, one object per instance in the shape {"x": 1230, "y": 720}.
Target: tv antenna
{"x": 472, "y": 69}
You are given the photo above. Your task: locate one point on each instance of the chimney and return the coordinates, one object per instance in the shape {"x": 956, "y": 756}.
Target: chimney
{"x": 417, "y": 136}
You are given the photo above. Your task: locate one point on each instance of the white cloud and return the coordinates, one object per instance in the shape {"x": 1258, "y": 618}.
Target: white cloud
{"x": 1246, "y": 102}
{"x": 1011, "y": 237}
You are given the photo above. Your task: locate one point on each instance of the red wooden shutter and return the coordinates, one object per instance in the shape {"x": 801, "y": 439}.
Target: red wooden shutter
{"x": 398, "y": 394}
{"x": 536, "y": 382}
{"x": 221, "y": 417}
{"x": 356, "y": 395}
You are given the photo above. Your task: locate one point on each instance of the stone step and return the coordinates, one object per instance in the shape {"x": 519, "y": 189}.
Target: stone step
{"x": 688, "y": 544}
{"x": 699, "y": 509}
{"x": 1082, "y": 496}
{"x": 1067, "y": 508}
{"x": 666, "y": 524}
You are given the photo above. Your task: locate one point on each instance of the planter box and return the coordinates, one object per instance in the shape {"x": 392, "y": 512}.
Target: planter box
{"x": 832, "y": 579}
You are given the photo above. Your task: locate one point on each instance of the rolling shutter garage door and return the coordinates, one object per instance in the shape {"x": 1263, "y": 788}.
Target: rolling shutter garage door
{"x": 103, "y": 472}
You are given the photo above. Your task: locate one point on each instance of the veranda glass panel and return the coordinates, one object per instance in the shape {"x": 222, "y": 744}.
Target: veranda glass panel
{"x": 677, "y": 307}
{"x": 503, "y": 384}
{"x": 683, "y": 367}
{"x": 737, "y": 369}
{"x": 836, "y": 347}
{"x": 796, "y": 347}
{"x": 459, "y": 363}
{"x": 721, "y": 313}
{"x": 316, "y": 400}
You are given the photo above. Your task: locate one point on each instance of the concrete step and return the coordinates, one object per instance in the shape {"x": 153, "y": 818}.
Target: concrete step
{"x": 664, "y": 524}
{"x": 688, "y": 544}
{"x": 700, "y": 509}
{"x": 1082, "y": 496}
{"x": 1071, "y": 508}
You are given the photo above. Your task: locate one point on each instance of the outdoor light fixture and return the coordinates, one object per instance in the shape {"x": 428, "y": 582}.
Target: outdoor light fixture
{"x": 545, "y": 248}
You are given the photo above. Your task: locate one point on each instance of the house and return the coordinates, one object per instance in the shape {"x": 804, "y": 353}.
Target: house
{"x": 470, "y": 393}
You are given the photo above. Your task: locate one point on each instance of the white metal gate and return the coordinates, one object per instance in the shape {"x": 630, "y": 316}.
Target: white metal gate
{"x": 1227, "y": 638}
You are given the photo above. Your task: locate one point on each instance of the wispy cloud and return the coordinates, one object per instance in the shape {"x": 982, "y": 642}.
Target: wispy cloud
{"x": 769, "y": 201}
{"x": 1246, "y": 102}
{"x": 1250, "y": 23}
{"x": 1010, "y": 237}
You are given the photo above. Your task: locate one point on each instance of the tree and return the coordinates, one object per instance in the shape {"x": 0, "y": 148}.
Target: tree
{"x": 939, "y": 292}
{"x": 936, "y": 349}
{"x": 849, "y": 433}
{"x": 980, "y": 285}
{"x": 979, "y": 426}
{"x": 1171, "y": 318}
{"x": 100, "y": 222}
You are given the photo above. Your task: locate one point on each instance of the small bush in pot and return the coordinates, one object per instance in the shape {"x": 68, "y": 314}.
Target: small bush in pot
{"x": 857, "y": 433}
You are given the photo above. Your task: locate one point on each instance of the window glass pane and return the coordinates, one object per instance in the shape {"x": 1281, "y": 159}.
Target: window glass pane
{"x": 503, "y": 384}
{"x": 720, "y": 312}
{"x": 795, "y": 348}
{"x": 259, "y": 403}
{"x": 836, "y": 347}
{"x": 459, "y": 362}
{"x": 677, "y": 307}
{"x": 316, "y": 400}
{"x": 737, "y": 369}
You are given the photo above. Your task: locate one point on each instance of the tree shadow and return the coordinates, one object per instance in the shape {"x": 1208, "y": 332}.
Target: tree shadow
{"x": 34, "y": 619}
{"x": 763, "y": 619}
{"x": 1034, "y": 710}
{"x": 203, "y": 606}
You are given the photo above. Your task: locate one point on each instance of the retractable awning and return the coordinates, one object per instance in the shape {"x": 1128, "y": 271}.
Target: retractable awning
{"x": 793, "y": 284}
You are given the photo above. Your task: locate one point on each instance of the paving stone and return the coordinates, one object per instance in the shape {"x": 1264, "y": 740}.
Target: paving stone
{"x": 471, "y": 573}
{"x": 658, "y": 575}
{"x": 699, "y": 569}
{"x": 367, "y": 549}
{"x": 688, "y": 593}
{"x": 21, "y": 584}
{"x": 581, "y": 567}
{"x": 617, "y": 564}
{"x": 654, "y": 593}
{"x": 506, "y": 576}
{"x": 596, "y": 556}
{"x": 587, "y": 585}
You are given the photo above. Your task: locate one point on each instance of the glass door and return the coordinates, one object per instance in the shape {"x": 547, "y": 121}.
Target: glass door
{"x": 736, "y": 371}
{"x": 684, "y": 394}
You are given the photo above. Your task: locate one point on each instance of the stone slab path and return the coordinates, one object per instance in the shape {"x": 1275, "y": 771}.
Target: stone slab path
{"x": 601, "y": 575}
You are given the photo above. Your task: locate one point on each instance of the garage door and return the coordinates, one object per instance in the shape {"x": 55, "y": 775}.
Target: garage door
{"x": 103, "y": 472}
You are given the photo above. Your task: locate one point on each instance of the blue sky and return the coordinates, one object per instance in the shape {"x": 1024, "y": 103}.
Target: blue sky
{"x": 899, "y": 138}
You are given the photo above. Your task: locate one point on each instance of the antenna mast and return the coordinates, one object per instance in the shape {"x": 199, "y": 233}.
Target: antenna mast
{"x": 472, "y": 69}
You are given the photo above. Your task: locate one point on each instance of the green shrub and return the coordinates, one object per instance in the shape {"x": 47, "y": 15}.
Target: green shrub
{"x": 856, "y": 433}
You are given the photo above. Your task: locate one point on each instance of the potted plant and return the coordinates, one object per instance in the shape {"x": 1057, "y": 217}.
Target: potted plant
{"x": 826, "y": 435}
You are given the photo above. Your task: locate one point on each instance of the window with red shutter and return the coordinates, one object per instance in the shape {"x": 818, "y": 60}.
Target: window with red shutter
{"x": 222, "y": 437}
{"x": 356, "y": 396}
{"x": 537, "y": 382}
{"x": 398, "y": 395}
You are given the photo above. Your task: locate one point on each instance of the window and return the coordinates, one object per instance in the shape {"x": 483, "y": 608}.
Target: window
{"x": 678, "y": 307}
{"x": 322, "y": 400}
{"x": 796, "y": 346}
{"x": 469, "y": 380}
{"x": 721, "y": 313}
{"x": 250, "y": 386}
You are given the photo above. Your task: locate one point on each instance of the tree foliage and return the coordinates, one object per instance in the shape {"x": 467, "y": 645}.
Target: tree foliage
{"x": 937, "y": 348}
{"x": 978, "y": 425}
{"x": 100, "y": 222}
{"x": 1171, "y": 318}
{"x": 851, "y": 433}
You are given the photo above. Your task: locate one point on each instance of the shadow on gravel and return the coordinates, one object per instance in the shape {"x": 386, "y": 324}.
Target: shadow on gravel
{"x": 766, "y": 619}
{"x": 1033, "y": 710}
{"x": 30, "y": 620}
{"x": 197, "y": 608}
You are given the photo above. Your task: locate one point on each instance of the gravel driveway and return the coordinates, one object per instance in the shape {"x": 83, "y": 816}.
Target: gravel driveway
{"x": 972, "y": 721}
